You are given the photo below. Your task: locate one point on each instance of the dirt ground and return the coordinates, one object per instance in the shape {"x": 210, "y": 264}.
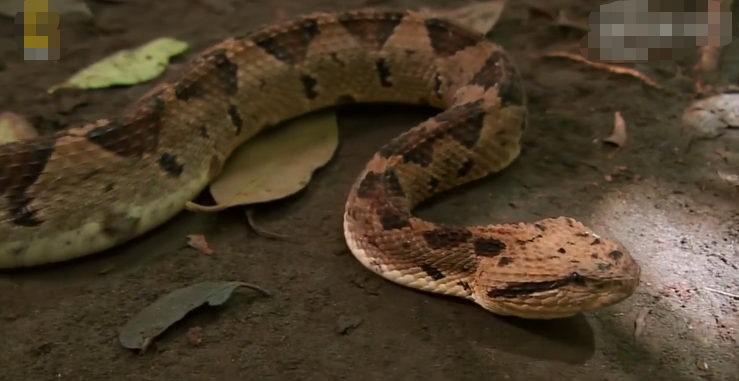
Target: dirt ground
{"x": 331, "y": 319}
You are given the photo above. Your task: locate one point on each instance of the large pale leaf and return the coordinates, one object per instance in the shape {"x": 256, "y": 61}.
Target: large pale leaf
{"x": 275, "y": 164}
{"x": 127, "y": 67}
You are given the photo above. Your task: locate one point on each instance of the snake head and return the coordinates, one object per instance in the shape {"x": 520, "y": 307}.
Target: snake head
{"x": 553, "y": 268}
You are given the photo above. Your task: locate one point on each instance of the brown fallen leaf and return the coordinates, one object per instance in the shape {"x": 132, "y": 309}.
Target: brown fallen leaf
{"x": 618, "y": 136}
{"x": 730, "y": 178}
{"x": 623, "y": 70}
{"x": 198, "y": 242}
{"x": 15, "y": 127}
{"x": 195, "y": 336}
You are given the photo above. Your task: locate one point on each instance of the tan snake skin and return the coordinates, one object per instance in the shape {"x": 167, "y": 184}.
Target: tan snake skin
{"x": 93, "y": 187}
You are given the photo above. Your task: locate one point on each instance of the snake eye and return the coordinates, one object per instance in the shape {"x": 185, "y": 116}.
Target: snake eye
{"x": 578, "y": 279}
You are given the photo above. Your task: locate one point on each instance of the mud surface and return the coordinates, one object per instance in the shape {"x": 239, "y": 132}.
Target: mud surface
{"x": 330, "y": 318}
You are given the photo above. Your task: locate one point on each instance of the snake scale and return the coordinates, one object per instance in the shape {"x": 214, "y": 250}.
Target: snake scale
{"x": 89, "y": 188}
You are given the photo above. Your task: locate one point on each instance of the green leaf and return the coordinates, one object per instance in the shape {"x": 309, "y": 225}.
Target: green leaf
{"x": 127, "y": 67}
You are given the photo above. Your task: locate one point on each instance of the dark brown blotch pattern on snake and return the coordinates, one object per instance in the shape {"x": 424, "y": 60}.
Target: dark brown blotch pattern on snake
{"x": 392, "y": 183}
{"x": 309, "y": 86}
{"x": 615, "y": 255}
{"x": 21, "y": 164}
{"x": 468, "y": 120}
{"x": 407, "y": 144}
{"x": 447, "y": 39}
{"x": 203, "y": 132}
{"x": 170, "y": 164}
{"x": 235, "y": 117}
{"x": 186, "y": 89}
{"x": 446, "y": 237}
{"x": 497, "y": 70}
{"x": 465, "y": 168}
{"x": 433, "y": 184}
{"x": 488, "y": 247}
{"x": 140, "y": 136}
{"x": 504, "y": 261}
{"x": 393, "y": 219}
{"x": 383, "y": 73}
{"x": 226, "y": 71}
{"x": 373, "y": 33}
{"x": 291, "y": 46}
{"x": 370, "y": 186}
{"x": 432, "y": 271}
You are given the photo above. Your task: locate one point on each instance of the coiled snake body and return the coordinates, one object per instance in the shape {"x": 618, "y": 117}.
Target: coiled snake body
{"x": 89, "y": 188}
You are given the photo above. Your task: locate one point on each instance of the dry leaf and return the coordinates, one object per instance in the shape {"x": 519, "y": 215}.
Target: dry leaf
{"x": 275, "y": 165}
{"x": 640, "y": 323}
{"x": 480, "y": 16}
{"x": 618, "y": 136}
{"x": 710, "y": 117}
{"x": 143, "y": 328}
{"x": 15, "y": 127}
{"x": 195, "y": 336}
{"x": 198, "y": 242}
{"x": 730, "y": 178}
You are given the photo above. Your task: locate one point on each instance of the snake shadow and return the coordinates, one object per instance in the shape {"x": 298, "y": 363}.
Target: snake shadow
{"x": 567, "y": 340}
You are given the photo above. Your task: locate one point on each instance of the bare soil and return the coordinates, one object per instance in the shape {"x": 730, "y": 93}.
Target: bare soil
{"x": 331, "y": 319}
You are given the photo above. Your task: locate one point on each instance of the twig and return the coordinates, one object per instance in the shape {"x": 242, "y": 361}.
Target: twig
{"x": 724, "y": 293}
{"x": 258, "y": 229}
{"x": 610, "y": 68}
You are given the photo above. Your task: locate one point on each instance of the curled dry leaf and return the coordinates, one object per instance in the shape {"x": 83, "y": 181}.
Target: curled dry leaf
{"x": 198, "y": 242}
{"x": 618, "y": 135}
{"x": 15, "y": 127}
{"x": 480, "y": 16}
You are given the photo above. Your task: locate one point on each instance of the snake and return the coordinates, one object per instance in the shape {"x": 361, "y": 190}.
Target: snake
{"x": 85, "y": 189}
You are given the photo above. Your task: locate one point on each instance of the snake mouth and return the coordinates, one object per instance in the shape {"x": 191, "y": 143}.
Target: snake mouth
{"x": 554, "y": 300}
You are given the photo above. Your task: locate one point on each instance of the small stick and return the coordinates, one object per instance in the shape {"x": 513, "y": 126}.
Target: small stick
{"x": 610, "y": 68}
{"x": 258, "y": 229}
{"x": 724, "y": 293}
